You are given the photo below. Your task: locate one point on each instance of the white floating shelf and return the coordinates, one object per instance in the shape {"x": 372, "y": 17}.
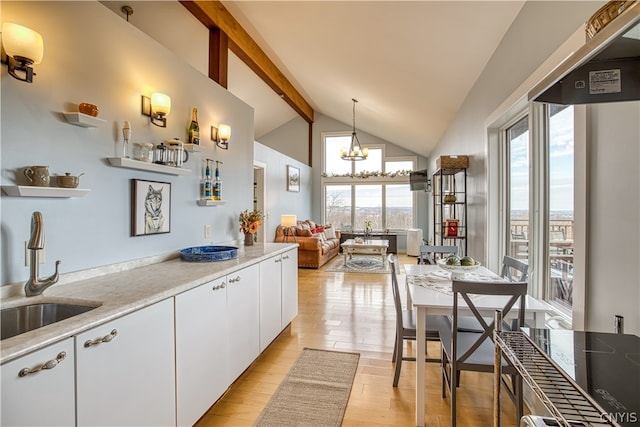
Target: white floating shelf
{"x": 83, "y": 120}
{"x": 191, "y": 147}
{"x": 122, "y": 162}
{"x": 211, "y": 202}
{"x": 33, "y": 191}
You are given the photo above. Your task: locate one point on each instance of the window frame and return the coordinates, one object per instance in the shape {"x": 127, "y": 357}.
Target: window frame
{"x": 376, "y": 180}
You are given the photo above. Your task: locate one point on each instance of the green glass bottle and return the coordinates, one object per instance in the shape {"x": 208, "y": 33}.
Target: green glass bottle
{"x": 194, "y": 129}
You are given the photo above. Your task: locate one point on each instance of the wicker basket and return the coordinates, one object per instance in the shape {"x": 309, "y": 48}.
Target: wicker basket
{"x": 452, "y": 162}
{"x": 605, "y": 15}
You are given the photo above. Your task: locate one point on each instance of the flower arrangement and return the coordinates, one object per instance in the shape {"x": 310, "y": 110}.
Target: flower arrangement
{"x": 250, "y": 221}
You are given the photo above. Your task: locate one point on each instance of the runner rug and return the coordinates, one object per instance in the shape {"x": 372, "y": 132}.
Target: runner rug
{"x": 358, "y": 264}
{"x": 315, "y": 391}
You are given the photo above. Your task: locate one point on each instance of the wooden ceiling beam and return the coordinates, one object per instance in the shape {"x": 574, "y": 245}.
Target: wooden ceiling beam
{"x": 213, "y": 14}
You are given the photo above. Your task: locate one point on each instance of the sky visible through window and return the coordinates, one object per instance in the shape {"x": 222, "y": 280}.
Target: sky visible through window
{"x": 560, "y": 166}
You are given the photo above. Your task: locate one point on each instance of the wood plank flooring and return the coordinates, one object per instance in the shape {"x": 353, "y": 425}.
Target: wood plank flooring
{"x": 354, "y": 312}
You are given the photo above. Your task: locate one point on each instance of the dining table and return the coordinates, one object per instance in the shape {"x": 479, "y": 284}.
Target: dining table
{"x": 429, "y": 293}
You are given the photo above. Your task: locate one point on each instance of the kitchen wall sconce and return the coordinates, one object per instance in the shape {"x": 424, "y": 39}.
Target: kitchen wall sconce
{"x": 23, "y": 47}
{"x": 157, "y": 107}
{"x": 221, "y": 135}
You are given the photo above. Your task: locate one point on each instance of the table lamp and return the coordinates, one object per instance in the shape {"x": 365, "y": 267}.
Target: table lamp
{"x": 288, "y": 221}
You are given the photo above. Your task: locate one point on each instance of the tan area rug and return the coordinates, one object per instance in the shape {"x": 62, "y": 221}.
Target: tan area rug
{"x": 315, "y": 391}
{"x": 358, "y": 264}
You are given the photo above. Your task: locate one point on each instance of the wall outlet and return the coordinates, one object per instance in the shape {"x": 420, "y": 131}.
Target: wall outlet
{"x": 27, "y": 255}
{"x": 207, "y": 231}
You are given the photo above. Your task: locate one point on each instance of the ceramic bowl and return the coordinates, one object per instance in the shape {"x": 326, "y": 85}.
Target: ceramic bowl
{"x": 458, "y": 272}
{"x": 68, "y": 180}
{"x": 209, "y": 253}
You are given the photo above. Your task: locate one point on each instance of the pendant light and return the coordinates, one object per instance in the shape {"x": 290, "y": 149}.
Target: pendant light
{"x": 356, "y": 152}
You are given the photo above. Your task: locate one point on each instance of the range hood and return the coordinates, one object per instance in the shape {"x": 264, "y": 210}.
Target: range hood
{"x": 605, "y": 69}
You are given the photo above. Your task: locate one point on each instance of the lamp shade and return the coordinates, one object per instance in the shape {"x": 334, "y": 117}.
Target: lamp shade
{"x": 288, "y": 220}
{"x": 160, "y": 103}
{"x": 22, "y": 42}
{"x": 224, "y": 132}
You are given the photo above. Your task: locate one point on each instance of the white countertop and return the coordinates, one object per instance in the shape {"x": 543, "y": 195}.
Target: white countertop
{"x": 122, "y": 289}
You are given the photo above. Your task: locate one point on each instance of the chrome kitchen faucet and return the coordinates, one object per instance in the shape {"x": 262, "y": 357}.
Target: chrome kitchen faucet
{"x": 34, "y": 285}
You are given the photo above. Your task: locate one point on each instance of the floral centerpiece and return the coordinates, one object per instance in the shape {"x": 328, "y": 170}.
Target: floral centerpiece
{"x": 249, "y": 223}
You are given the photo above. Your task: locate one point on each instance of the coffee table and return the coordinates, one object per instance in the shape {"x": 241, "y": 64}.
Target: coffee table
{"x": 367, "y": 247}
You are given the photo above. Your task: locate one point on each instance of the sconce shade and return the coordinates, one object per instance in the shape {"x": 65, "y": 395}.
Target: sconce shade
{"x": 224, "y": 132}
{"x": 288, "y": 220}
{"x": 160, "y": 103}
{"x": 22, "y": 43}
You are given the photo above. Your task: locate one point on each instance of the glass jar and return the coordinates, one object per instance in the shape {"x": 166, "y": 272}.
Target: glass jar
{"x": 143, "y": 151}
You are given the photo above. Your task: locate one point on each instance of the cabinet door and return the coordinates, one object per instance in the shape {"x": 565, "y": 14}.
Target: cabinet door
{"x": 126, "y": 370}
{"x": 40, "y": 397}
{"x": 243, "y": 310}
{"x": 270, "y": 300}
{"x": 201, "y": 358}
{"x": 289, "y": 287}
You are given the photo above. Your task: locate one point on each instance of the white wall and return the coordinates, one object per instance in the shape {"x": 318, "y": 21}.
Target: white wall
{"x": 537, "y": 32}
{"x": 291, "y": 138}
{"x": 280, "y": 201}
{"x": 91, "y": 55}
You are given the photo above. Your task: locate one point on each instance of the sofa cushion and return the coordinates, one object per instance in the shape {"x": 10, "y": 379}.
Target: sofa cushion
{"x": 330, "y": 233}
{"x": 303, "y": 233}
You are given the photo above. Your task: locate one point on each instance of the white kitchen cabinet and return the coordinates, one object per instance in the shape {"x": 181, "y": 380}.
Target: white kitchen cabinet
{"x": 270, "y": 300}
{"x": 243, "y": 302}
{"x": 39, "y": 389}
{"x": 125, "y": 370}
{"x": 201, "y": 358}
{"x": 289, "y": 286}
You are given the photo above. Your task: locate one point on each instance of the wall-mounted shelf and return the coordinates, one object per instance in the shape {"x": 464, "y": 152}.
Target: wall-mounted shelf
{"x": 211, "y": 202}
{"x": 32, "y": 191}
{"x": 121, "y": 162}
{"x": 83, "y": 120}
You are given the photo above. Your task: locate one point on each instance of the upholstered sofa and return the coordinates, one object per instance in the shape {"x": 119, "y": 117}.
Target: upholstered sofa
{"x": 317, "y": 243}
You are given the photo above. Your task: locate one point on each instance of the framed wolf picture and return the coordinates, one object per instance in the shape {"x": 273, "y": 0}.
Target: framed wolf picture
{"x": 150, "y": 207}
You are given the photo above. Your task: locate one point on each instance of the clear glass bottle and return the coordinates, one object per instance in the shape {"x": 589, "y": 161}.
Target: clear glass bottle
{"x": 194, "y": 128}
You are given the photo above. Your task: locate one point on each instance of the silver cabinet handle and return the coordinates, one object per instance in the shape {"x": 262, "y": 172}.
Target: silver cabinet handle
{"x": 278, "y": 260}
{"x": 220, "y": 286}
{"x": 237, "y": 279}
{"x": 105, "y": 338}
{"x": 46, "y": 365}
{"x": 285, "y": 257}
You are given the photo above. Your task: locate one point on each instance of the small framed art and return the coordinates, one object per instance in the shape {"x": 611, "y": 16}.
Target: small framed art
{"x": 150, "y": 207}
{"x": 293, "y": 178}
{"x": 451, "y": 227}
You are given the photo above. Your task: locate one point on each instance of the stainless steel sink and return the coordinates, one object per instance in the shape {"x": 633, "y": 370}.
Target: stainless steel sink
{"x": 18, "y": 320}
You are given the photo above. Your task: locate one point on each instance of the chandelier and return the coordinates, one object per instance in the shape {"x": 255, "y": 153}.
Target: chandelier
{"x": 356, "y": 152}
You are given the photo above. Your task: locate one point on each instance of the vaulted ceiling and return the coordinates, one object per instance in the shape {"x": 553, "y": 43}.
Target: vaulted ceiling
{"x": 410, "y": 64}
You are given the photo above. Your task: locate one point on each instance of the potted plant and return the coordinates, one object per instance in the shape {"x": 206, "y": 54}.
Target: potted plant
{"x": 249, "y": 223}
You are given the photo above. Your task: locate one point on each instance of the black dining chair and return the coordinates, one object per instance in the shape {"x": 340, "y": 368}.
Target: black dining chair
{"x": 474, "y": 351}
{"x": 406, "y": 325}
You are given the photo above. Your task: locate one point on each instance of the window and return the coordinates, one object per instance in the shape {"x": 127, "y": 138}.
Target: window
{"x": 518, "y": 182}
{"x": 375, "y": 189}
{"x": 538, "y": 168}
{"x": 559, "y": 288}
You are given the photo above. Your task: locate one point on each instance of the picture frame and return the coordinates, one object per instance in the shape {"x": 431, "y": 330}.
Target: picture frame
{"x": 293, "y": 178}
{"x": 150, "y": 207}
{"x": 451, "y": 227}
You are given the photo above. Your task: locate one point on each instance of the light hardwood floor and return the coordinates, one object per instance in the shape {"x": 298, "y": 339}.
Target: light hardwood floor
{"x": 354, "y": 312}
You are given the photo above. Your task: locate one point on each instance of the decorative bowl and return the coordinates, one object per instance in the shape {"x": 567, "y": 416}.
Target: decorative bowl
{"x": 69, "y": 181}
{"x": 458, "y": 272}
{"x": 209, "y": 253}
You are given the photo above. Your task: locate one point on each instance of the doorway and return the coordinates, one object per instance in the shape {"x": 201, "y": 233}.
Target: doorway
{"x": 260, "y": 197}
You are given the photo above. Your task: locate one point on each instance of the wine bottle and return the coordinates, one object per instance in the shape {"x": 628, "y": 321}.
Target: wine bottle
{"x": 194, "y": 129}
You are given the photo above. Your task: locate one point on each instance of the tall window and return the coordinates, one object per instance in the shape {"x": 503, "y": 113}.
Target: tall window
{"x": 373, "y": 190}
{"x": 560, "y": 206}
{"x": 518, "y": 182}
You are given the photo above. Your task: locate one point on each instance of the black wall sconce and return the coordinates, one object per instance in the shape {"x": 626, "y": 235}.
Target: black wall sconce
{"x": 221, "y": 135}
{"x": 23, "y": 48}
{"x": 157, "y": 107}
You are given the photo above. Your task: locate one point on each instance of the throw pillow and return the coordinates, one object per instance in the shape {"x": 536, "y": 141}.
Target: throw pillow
{"x": 330, "y": 233}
